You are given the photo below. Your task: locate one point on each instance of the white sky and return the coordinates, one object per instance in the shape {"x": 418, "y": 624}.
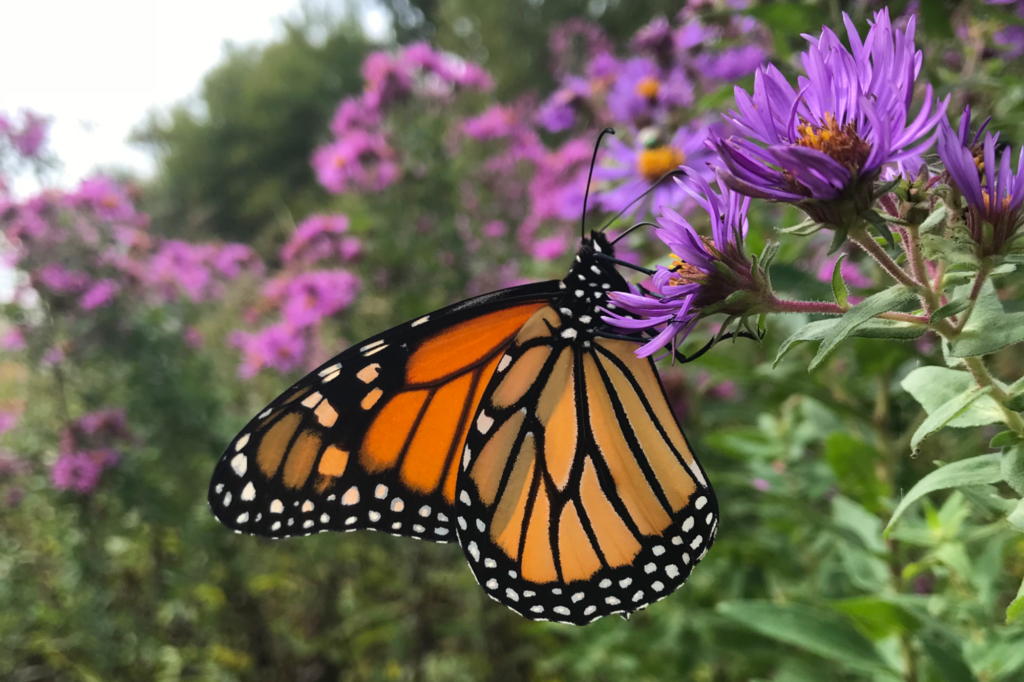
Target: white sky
{"x": 98, "y": 66}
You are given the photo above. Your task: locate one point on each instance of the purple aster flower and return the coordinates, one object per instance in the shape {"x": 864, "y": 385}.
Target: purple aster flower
{"x": 656, "y": 40}
{"x": 636, "y": 167}
{"x": 558, "y": 112}
{"x": 312, "y": 296}
{"x": 12, "y": 340}
{"x": 281, "y": 347}
{"x": 178, "y": 268}
{"x": 354, "y": 113}
{"x": 61, "y": 280}
{"x": 644, "y": 92}
{"x": 99, "y": 294}
{"x": 387, "y": 80}
{"x": 822, "y": 145}
{"x": 994, "y": 193}
{"x": 316, "y": 238}
{"x": 77, "y": 471}
{"x": 495, "y": 123}
{"x": 705, "y": 271}
{"x": 108, "y": 199}
{"x": 729, "y": 64}
{"x": 30, "y": 137}
{"x": 360, "y": 160}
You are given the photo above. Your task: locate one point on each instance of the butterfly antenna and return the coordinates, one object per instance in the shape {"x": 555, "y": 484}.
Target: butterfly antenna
{"x": 633, "y": 227}
{"x": 663, "y": 178}
{"x": 590, "y": 176}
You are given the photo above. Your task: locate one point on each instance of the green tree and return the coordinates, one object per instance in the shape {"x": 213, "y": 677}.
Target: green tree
{"x": 236, "y": 160}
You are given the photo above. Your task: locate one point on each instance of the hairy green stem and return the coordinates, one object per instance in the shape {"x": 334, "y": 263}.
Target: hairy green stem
{"x": 861, "y": 238}
{"x": 984, "y": 379}
{"x": 778, "y": 305}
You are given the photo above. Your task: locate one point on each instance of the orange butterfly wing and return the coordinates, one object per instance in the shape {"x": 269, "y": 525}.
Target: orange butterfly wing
{"x": 372, "y": 438}
{"x": 580, "y": 496}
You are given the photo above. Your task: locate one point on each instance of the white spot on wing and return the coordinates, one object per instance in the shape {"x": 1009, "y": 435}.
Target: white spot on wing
{"x": 371, "y": 346}
{"x": 491, "y": 584}
{"x": 381, "y": 491}
{"x": 505, "y": 361}
{"x": 425, "y": 511}
{"x": 473, "y": 550}
{"x": 397, "y": 505}
{"x": 696, "y": 542}
{"x": 420, "y": 321}
{"x": 227, "y": 498}
{"x": 511, "y": 594}
{"x": 249, "y": 492}
{"x": 241, "y": 442}
{"x": 490, "y": 563}
{"x": 307, "y": 506}
{"x": 484, "y": 423}
{"x": 672, "y": 571}
{"x": 350, "y": 497}
{"x": 240, "y": 464}
{"x": 589, "y": 610}
{"x": 464, "y": 497}
{"x": 374, "y": 516}
{"x": 243, "y": 518}
{"x": 561, "y": 610}
{"x": 688, "y": 524}
{"x": 576, "y": 597}
{"x": 569, "y": 333}
{"x": 276, "y": 507}
{"x": 701, "y": 501}
{"x": 374, "y": 351}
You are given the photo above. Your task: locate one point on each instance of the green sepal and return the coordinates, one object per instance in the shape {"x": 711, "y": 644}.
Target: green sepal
{"x": 935, "y": 219}
{"x": 838, "y": 239}
{"x": 803, "y": 229}
{"x": 884, "y": 188}
{"x": 1005, "y": 439}
{"x": 839, "y": 289}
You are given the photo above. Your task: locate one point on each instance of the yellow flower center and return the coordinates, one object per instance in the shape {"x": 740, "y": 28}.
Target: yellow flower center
{"x": 655, "y": 162}
{"x": 842, "y": 143}
{"x": 648, "y": 87}
{"x": 686, "y": 273}
{"x": 987, "y": 198}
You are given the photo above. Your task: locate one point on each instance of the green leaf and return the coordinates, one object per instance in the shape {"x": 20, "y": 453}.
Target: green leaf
{"x": 933, "y": 387}
{"x": 853, "y": 461}
{"x": 872, "y": 329}
{"x": 839, "y": 289}
{"x": 1015, "y": 402}
{"x": 883, "y": 301}
{"x": 946, "y": 413}
{"x": 1013, "y": 467}
{"x": 936, "y": 22}
{"x": 980, "y": 470}
{"x": 990, "y": 327}
{"x": 947, "y": 655}
{"x": 1016, "y": 606}
{"x": 838, "y": 239}
{"x": 1016, "y": 517}
{"x": 876, "y": 617}
{"x": 950, "y": 309}
{"x": 935, "y": 219}
{"x": 1004, "y": 439}
{"x": 824, "y": 633}
{"x": 881, "y": 225}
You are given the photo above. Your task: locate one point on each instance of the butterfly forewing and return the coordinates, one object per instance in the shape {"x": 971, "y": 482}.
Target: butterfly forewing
{"x": 371, "y": 440}
{"x": 579, "y": 495}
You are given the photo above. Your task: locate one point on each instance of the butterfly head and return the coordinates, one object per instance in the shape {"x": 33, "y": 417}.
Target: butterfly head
{"x": 585, "y": 289}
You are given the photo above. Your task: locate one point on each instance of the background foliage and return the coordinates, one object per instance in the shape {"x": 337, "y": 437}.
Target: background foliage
{"x": 180, "y": 307}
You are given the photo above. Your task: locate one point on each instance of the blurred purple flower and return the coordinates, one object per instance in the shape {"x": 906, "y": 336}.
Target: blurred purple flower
{"x": 231, "y": 260}
{"x": 644, "y": 92}
{"x": 575, "y": 42}
{"x": 107, "y": 199}
{"x": 704, "y": 274}
{"x": 179, "y": 267}
{"x": 354, "y": 113}
{"x": 193, "y": 338}
{"x": 12, "y": 466}
{"x": 761, "y": 484}
{"x": 281, "y": 347}
{"x": 550, "y": 248}
{"x": 99, "y": 294}
{"x": 824, "y": 146}
{"x": 312, "y": 296}
{"x": 636, "y": 167}
{"x": 360, "y": 160}
{"x": 31, "y": 135}
{"x": 386, "y": 80}
{"x": 994, "y": 193}
{"x": 655, "y": 39}
{"x": 8, "y": 420}
{"x": 495, "y": 123}
{"x": 60, "y": 280}
{"x": 495, "y": 229}
{"x": 850, "y": 270}
{"x": 730, "y": 64}
{"x": 12, "y": 340}
{"x": 80, "y": 471}
{"x": 558, "y": 112}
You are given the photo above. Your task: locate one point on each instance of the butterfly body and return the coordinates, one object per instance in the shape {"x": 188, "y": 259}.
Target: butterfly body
{"x": 511, "y": 423}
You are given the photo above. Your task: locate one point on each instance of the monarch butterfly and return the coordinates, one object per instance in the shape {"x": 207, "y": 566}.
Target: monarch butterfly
{"x": 515, "y": 423}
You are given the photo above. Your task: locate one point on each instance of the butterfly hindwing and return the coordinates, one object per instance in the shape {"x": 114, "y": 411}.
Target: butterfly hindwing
{"x": 579, "y": 495}
{"x": 371, "y": 439}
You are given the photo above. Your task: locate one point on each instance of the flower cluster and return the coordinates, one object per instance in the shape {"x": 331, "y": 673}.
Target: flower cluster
{"x": 88, "y": 446}
{"x": 823, "y": 143}
{"x": 360, "y": 157}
